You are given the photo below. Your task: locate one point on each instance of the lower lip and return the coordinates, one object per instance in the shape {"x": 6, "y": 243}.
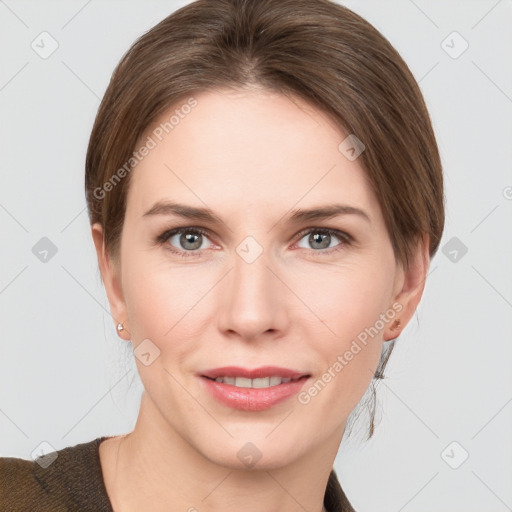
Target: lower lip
{"x": 252, "y": 399}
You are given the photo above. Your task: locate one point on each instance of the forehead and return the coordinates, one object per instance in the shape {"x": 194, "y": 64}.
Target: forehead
{"x": 252, "y": 148}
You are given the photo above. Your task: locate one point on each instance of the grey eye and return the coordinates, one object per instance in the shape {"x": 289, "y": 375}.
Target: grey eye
{"x": 188, "y": 240}
{"x": 319, "y": 240}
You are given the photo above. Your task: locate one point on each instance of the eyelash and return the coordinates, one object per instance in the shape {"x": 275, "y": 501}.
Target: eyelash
{"x": 346, "y": 240}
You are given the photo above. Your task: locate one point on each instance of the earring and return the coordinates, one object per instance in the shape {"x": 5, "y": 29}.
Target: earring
{"x": 396, "y": 325}
{"x": 120, "y": 327}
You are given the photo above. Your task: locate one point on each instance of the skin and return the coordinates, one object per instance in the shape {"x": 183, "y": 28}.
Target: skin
{"x": 251, "y": 157}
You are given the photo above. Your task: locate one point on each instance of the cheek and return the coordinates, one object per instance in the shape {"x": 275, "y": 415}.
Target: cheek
{"x": 350, "y": 306}
{"x": 162, "y": 303}
{"x": 347, "y": 299}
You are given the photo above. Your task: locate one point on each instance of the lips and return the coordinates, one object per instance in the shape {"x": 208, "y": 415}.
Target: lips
{"x": 253, "y": 389}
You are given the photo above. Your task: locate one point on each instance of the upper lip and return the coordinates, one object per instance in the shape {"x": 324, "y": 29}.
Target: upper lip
{"x": 255, "y": 373}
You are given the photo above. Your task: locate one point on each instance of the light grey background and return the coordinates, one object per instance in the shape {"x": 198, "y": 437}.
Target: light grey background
{"x": 66, "y": 378}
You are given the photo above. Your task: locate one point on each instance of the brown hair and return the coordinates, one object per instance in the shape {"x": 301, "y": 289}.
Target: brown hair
{"x": 315, "y": 49}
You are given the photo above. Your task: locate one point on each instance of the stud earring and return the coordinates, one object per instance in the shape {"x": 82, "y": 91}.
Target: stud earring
{"x": 120, "y": 327}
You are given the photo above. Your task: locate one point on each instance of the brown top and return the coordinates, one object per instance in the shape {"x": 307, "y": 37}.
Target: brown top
{"x": 73, "y": 482}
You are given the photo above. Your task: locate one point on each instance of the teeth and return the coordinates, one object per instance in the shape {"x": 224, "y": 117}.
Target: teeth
{"x": 243, "y": 382}
{"x": 258, "y": 383}
{"x": 263, "y": 382}
{"x": 274, "y": 381}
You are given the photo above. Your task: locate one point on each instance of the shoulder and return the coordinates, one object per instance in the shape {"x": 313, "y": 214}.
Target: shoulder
{"x": 24, "y": 487}
{"x": 65, "y": 480}
{"x": 19, "y": 487}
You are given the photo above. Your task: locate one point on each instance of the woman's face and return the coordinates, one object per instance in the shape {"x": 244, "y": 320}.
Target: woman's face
{"x": 252, "y": 280}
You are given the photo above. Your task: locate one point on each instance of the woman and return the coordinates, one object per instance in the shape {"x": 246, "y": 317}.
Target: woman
{"x": 265, "y": 195}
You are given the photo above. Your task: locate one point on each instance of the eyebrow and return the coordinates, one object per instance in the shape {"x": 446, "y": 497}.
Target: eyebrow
{"x": 296, "y": 217}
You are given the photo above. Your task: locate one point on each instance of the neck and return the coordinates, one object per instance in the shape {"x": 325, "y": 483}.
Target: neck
{"x": 154, "y": 468}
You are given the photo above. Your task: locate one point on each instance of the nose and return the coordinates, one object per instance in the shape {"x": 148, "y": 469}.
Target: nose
{"x": 254, "y": 300}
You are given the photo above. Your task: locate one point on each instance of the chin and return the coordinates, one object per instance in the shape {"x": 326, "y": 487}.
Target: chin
{"x": 254, "y": 452}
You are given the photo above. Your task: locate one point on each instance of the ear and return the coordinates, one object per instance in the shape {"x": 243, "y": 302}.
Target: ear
{"x": 111, "y": 277}
{"x": 409, "y": 286}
